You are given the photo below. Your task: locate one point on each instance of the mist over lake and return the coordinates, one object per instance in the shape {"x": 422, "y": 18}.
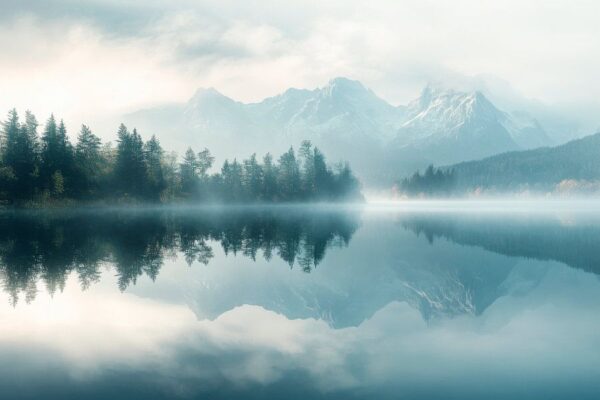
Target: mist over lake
{"x": 328, "y": 200}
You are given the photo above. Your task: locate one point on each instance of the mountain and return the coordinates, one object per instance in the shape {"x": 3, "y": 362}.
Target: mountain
{"x": 346, "y": 105}
{"x": 406, "y": 270}
{"x": 349, "y": 122}
{"x": 573, "y": 168}
{"x": 447, "y": 126}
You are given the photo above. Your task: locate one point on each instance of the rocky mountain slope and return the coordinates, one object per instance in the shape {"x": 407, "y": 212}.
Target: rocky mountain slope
{"x": 350, "y": 122}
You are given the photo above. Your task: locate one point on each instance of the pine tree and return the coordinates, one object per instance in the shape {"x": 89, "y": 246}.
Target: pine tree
{"x": 205, "y": 162}
{"x": 323, "y": 177}
{"x": 269, "y": 184}
{"x": 19, "y": 155}
{"x": 10, "y": 135}
{"x": 154, "y": 158}
{"x": 138, "y": 168}
{"x": 252, "y": 179}
{"x": 10, "y": 158}
{"x": 57, "y": 156}
{"x": 346, "y": 184}
{"x": 188, "y": 171}
{"x": 231, "y": 177}
{"x": 130, "y": 173}
{"x": 289, "y": 179}
{"x": 308, "y": 169}
{"x": 89, "y": 162}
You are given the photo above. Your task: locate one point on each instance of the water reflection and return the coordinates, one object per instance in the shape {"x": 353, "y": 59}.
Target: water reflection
{"x": 49, "y": 246}
{"x": 408, "y": 305}
{"x": 573, "y": 240}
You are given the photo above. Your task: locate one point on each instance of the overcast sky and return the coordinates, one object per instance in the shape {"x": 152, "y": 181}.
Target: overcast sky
{"x": 88, "y": 58}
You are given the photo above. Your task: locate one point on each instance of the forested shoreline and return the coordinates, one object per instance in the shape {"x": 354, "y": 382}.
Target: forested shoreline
{"x": 570, "y": 169}
{"x": 48, "y": 169}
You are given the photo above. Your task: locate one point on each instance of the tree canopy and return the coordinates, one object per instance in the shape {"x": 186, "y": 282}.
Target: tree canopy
{"x": 50, "y": 168}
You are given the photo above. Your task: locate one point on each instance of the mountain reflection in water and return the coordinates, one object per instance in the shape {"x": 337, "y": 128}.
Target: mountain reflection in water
{"x": 418, "y": 305}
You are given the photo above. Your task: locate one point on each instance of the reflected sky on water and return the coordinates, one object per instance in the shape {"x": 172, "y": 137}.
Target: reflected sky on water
{"x": 293, "y": 302}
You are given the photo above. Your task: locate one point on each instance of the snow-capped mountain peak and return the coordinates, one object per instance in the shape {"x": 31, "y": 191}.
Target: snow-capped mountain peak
{"x": 349, "y": 121}
{"x": 341, "y": 86}
{"x": 447, "y": 113}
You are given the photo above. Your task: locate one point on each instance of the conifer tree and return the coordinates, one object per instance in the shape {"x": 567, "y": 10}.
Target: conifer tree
{"x": 89, "y": 162}
{"x": 57, "y": 156}
{"x": 154, "y": 158}
{"x": 269, "y": 183}
{"x": 188, "y": 171}
{"x": 289, "y": 179}
{"x": 252, "y": 179}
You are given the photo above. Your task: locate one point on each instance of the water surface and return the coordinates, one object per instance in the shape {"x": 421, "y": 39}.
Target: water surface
{"x": 301, "y": 302}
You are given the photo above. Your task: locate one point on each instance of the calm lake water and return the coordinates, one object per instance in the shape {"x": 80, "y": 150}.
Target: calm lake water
{"x": 375, "y": 302}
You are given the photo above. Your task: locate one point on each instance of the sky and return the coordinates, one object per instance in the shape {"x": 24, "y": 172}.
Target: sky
{"x": 89, "y": 59}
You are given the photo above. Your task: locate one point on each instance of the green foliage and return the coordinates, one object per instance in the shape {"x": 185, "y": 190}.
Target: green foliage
{"x": 58, "y": 184}
{"x": 433, "y": 182}
{"x": 19, "y": 154}
{"x": 540, "y": 170}
{"x": 89, "y": 162}
{"x": 138, "y": 171}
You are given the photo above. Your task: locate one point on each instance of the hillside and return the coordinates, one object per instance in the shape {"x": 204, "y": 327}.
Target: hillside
{"x": 573, "y": 167}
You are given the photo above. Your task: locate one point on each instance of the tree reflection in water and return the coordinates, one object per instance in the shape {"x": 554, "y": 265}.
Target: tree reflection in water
{"x": 49, "y": 246}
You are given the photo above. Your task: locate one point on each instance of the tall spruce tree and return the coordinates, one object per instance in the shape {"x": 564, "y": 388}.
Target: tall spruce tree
{"x": 153, "y": 153}
{"x": 252, "y": 179}
{"x": 269, "y": 184}
{"x": 57, "y": 166}
{"x": 11, "y": 158}
{"x": 188, "y": 171}
{"x": 130, "y": 172}
{"x": 89, "y": 160}
{"x": 289, "y": 178}
{"x": 308, "y": 169}
{"x": 27, "y": 168}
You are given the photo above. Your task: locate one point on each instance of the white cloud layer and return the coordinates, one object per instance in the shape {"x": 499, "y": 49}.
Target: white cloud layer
{"x": 88, "y": 59}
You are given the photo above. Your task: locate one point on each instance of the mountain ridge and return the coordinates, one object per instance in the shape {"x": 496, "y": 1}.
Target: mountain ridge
{"x": 572, "y": 168}
{"x": 349, "y": 121}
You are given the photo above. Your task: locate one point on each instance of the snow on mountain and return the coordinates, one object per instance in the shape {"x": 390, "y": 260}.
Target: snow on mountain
{"x": 447, "y": 125}
{"x": 212, "y": 113}
{"x": 526, "y": 131}
{"x": 348, "y": 121}
{"x": 347, "y": 104}
{"x": 406, "y": 271}
{"x": 278, "y": 110}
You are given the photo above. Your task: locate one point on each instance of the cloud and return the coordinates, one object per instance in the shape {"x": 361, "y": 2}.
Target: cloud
{"x": 250, "y": 50}
{"x": 546, "y": 331}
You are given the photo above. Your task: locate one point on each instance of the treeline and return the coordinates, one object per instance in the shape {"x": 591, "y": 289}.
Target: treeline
{"x": 50, "y": 168}
{"x": 433, "y": 182}
{"x": 571, "y": 168}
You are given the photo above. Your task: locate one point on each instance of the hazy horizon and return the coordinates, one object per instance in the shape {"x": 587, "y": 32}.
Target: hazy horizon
{"x": 93, "y": 61}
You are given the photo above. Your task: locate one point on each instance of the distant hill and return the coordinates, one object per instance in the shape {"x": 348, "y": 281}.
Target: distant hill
{"x": 573, "y": 167}
{"x": 350, "y": 122}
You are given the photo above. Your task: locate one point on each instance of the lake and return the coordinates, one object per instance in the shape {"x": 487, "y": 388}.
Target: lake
{"x": 431, "y": 300}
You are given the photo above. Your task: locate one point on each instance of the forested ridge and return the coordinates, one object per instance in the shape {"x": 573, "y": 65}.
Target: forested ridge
{"x": 572, "y": 168}
{"x": 47, "y": 168}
